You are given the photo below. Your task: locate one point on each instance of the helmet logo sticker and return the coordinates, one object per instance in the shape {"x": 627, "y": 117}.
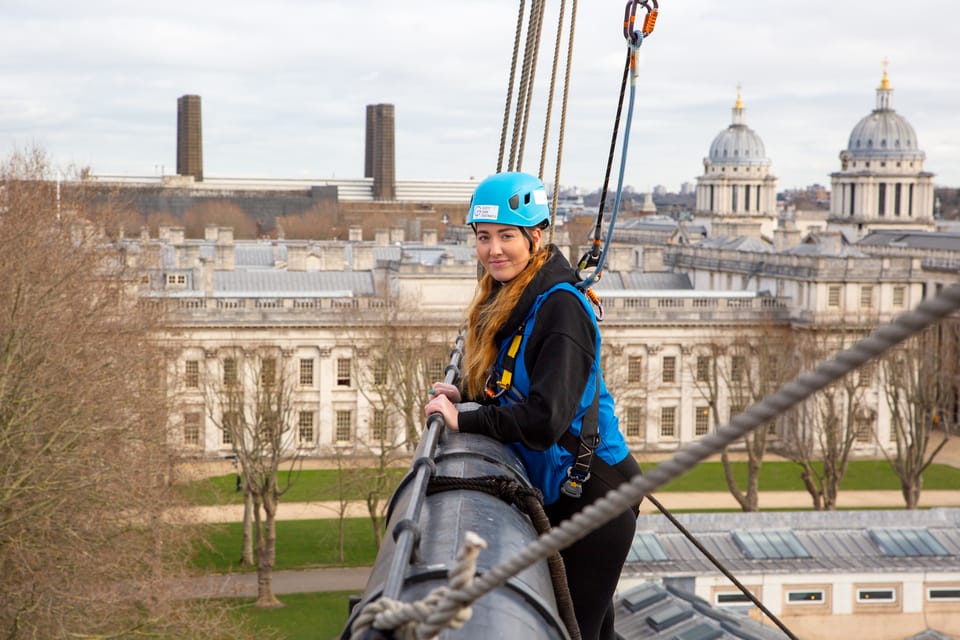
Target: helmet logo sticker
{"x": 539, "y": 196}
{"x": 485, "y": 211}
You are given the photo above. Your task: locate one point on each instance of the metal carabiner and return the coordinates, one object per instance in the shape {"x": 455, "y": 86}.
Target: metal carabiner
{"x": 633, "y": 36}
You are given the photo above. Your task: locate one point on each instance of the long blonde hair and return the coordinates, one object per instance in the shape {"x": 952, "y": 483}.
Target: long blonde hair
{"x": 488, "y": 312}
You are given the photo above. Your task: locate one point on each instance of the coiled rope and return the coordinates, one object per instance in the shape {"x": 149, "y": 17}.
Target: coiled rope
{"x": 630, "y": 493}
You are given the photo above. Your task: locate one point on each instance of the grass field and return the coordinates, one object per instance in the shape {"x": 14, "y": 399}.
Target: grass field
{"x": 320, "y": 485}
{"x": 305, "y": 616}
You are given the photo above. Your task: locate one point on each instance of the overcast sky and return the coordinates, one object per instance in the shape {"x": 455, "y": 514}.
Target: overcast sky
{"x": 285, "y": 83}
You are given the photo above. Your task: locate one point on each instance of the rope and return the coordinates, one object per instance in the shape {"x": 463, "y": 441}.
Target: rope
{"x": 522, "y": 92}
{"x": 533, "y": 39}
{"x": 786, "y": 397}
{"x": 441, "y": 608}
{"x": 530, "y": 501}
{"x": 563, "y": 119}
{"x": 513, "y": 75}
{"x": 550, "y": 93}
{"x": 719, "y": 565}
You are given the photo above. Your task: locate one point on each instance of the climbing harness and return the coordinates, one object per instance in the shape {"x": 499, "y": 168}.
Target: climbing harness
{"x": 595, "y": 258}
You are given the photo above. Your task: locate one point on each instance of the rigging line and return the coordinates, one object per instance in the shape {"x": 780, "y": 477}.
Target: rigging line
{"x": 541, "y": 5}
{"x": 563, "y": 117}
{"x": 719, "y": 565}
{"x": 785, "y": 398}
{"x": 522, "y": 91}
{"x": 505, "y": 127}
{"x": 550, "y": 93}
{"x": 598, "y": 269}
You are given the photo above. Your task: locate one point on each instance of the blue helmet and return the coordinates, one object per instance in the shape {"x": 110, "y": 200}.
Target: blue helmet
{"x": 516, "y": 199}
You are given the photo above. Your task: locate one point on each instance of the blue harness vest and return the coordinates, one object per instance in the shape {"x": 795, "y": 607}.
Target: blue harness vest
{"x": 547, "y": 470}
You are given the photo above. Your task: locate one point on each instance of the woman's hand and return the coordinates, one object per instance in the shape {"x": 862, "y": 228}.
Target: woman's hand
{"x": 444, "y": 389}
{"x": 441, "y": 404}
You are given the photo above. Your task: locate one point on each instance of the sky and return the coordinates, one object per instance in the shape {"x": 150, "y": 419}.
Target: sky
{"x": 285, "y": 84}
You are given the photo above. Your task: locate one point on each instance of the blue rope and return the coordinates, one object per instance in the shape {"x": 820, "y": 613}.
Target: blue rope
{"x": 597, "y": 272}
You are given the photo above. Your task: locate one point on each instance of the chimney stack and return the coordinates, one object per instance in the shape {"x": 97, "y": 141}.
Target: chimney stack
{"x": 380, "y": 156}
{"x": 189, "y": 138}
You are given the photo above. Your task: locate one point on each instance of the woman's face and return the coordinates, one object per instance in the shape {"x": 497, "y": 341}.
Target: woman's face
{"x": 503, "y": 250}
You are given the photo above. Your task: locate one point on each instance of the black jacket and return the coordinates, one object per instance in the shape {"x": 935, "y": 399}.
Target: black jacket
{"x": 559, "y": 354}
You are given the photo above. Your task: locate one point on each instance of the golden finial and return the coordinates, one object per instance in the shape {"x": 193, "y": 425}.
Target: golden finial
{"x": 739, "y": 103}
{"x": 885, "y": 82}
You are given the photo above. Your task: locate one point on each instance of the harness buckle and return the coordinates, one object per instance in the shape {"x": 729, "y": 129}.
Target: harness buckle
{"x": 573, "y": 485}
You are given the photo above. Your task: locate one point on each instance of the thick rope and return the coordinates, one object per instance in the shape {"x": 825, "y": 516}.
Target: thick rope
{"x": 505, "y": 128}
{"x": 563, "y": 120}
{"x": 550, "y": 94}
{"x": 787, "y": 396}
{"x": 442, "y": 608}
{"x": 530, "y": 501}
{"x": 533, "y": 39}
{"x": 514, "y": 161}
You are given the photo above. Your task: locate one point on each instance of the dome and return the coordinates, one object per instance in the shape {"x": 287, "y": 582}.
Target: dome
{"x": 738, "y": 144}
{"x": 883, "y": 133}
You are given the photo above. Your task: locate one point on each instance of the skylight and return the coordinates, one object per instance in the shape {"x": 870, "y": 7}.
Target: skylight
{"x": 904, "y": 543}
{"x": 770, "y": 545}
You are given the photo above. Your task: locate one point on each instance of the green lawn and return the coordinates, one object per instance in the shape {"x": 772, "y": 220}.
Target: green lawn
{"x": 301, "y": 544}
{"x": 306, "y": 616}
{"x": 317, "y": 485}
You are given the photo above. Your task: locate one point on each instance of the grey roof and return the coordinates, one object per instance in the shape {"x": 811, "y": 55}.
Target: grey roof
{"x": 742, "y": 243}
{"x": 833, "y": 541}
{"x": 292, "y": 283}
{"x": 930, "y": 634}
{"x": 643, "y": 280}
{"x": 940, "y": 240}
{"x": 651, "y": 611}
{"x": 247, "y": 254}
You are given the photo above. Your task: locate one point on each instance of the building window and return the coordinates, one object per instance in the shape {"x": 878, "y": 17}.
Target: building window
{"x": 343, "y": 372}
{"x": 380, "y": 371}
{"x": 866, "y": 373}
{"x": 634, "y": 369}
{"x": 669, "y": 369}
{"x": 701, "y": 425}
{"x": 229, "y": 372}
{"x": 668, "y": 422}
{"x": 306, "y": 372}
{"x": 866, "y": 296}
{"x": 949, "y": 594}
{"x": 191, "y": 429}
{"x": 864, "y": 430}
{"x": 731, "y": 598}
{"x": 343, "y": 426}
{"x": 634, "y": 422}
{"x": 703, "y": 368}
{"x": 899, "y": 296}
{"x": 378, "y": 426}
{"x": 176, "y": 279}
{"x": 807, "y": 596}
{"x": 230, "y": 425}
{"x": 737, "y": 364}
{"x": 305, "y": 434}
{"x": 876, "y": 595}
{"x": 191, "y": 374}
{"x": 435, "y": 370}
{"x": 833, "y": 296}
{"x": 897, "y": 195}
{"x": 268, "y": 372}
{"x": 882, "y": 199}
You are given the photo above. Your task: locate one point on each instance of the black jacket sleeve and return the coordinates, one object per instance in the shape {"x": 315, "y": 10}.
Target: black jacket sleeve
{"x": 559, "y": 354}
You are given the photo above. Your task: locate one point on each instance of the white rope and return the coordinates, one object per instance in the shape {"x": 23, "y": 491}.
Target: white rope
{"x": 787, "y": 396}
{"x": 445, "y": 606}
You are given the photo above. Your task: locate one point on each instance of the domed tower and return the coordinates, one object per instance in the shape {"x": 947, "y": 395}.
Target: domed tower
{"x": 736, "y": 190}
{"x": 881, "y": 183}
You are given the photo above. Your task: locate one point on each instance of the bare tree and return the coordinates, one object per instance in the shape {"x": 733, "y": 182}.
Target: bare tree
{"x": 85, "y": 547}
{"x": 739, "y": 373}
{"x": 825, "y": 428}
{"x": 920, "y": 386}
{"x": 395, "y": 369}
{"x": 252, "y": 403}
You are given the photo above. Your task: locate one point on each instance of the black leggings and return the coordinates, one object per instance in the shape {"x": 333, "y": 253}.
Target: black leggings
{"x": 594, "y": 563}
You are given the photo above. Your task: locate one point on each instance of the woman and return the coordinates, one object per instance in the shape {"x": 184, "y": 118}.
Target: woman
{"x": 532, "y": 362}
